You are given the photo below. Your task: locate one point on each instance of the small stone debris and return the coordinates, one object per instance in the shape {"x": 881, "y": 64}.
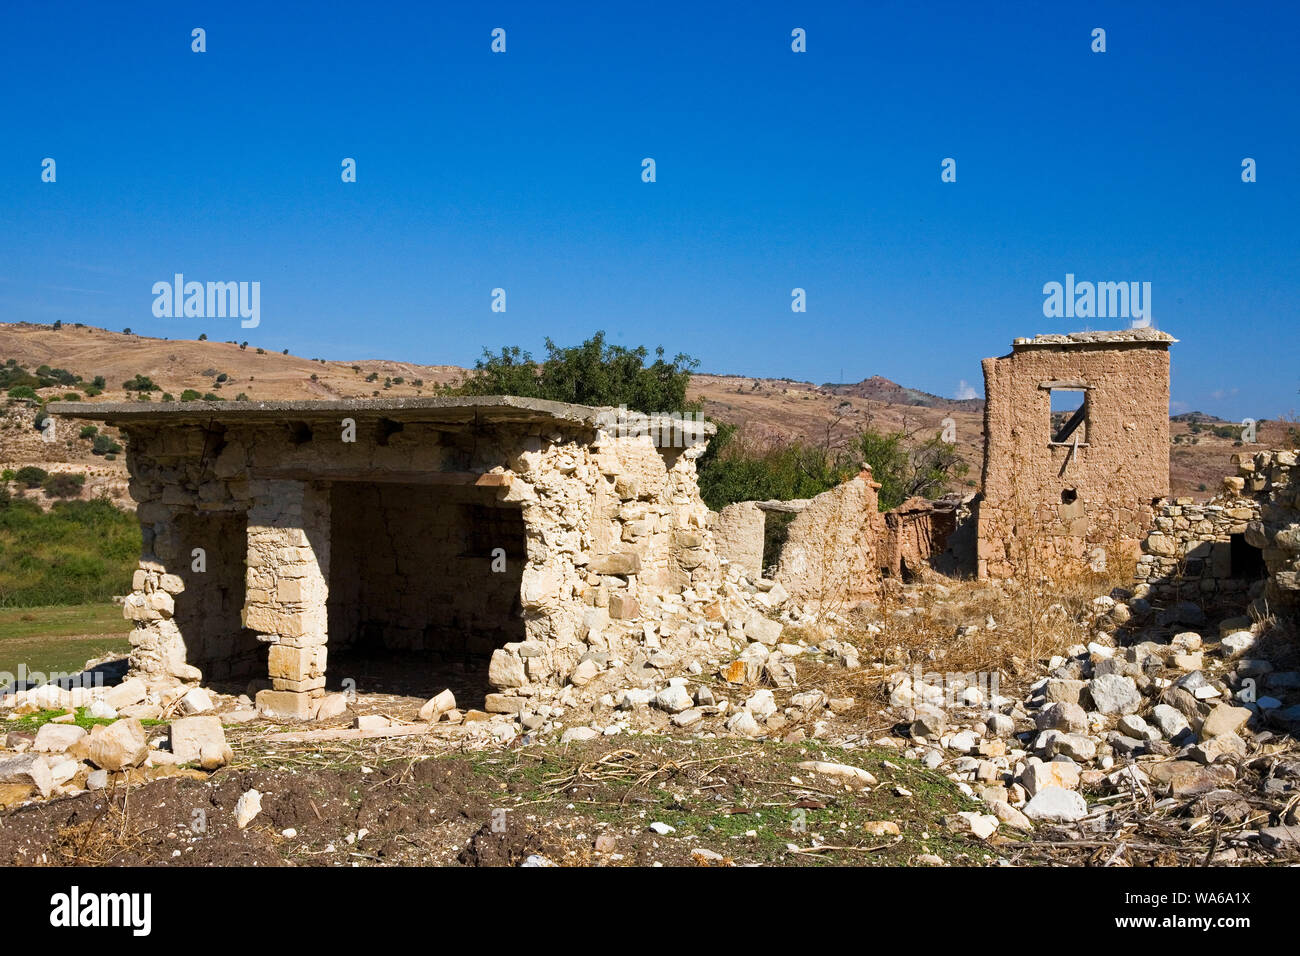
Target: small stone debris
{"x": 248, "y": 806}
{"x": 854, "y": 776}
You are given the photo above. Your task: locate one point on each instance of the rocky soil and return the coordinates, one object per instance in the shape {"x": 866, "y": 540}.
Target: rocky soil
{"x": 1161, "y": 736}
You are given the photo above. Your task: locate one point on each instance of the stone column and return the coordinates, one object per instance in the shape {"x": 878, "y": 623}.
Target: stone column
{"x": 157, "y": 647}
{"x": 288, "y": 585}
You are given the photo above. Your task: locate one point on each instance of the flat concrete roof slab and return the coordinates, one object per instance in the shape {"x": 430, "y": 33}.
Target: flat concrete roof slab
{"x": 492, "y": 408}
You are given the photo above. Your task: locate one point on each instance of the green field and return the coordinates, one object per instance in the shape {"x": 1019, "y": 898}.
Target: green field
{"x": 78, "y": 552}
{"x": 60, "y": 638}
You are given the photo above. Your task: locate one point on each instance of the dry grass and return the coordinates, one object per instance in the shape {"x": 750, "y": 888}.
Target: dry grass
{"x": 97, "y": 842}
{"x": 1003, "y": 628}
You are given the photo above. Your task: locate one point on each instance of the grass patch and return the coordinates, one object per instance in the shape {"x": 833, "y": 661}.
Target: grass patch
{"x": 737, "y": 798}
{"x": 82, "y": 718}
{"x": 60, "y": 638}
{"x": 78, "y": 552}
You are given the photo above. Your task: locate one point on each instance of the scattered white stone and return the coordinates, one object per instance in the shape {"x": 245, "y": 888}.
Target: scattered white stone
{"x": 1170, "y": 720}
{"x": 56, "y": 738}
{"x": 674, "y": 698}
{"x": 854, "y": 776}
{"x": 761, "y": 704}
{"x": 196, "y": 701}
{"x": 1056, "y": 805}
{"x": 100, "y": 709}
{"x": 982, "y": 825}
{"x": 743, "y": 722}
{"x": 1114, "y": 694}
{"x": 247, "y": 807}
{"x": 1237, "y": 643}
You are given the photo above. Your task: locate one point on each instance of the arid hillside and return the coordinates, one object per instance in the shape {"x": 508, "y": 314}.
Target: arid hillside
{"x": 768, "y": 410}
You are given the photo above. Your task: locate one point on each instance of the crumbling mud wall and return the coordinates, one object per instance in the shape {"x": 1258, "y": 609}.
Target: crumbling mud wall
{"x": 738, "y": 530}
{"x": 832, "y": 546}
{"x": 1060, "y": 497}
{"x": 915, "y": 532}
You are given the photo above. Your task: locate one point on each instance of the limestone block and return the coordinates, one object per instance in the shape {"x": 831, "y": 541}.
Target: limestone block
{"x": 296, "y": 663}
{"x": 506, "y": 670}
{"x": 623, "y": 607}
{"x": 623, "y": 562}
{"x": 290, "y": 705}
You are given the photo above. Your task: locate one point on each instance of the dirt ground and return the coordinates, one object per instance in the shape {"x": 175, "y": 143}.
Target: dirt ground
{"x": 580, "y": 804}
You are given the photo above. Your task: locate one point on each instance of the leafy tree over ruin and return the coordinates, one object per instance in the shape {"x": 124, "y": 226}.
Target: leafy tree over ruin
{"x": 593, "y": 373}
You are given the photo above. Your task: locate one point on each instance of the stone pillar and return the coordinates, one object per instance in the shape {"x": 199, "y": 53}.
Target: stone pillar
{"x": 288, "y": 585}
{"x": 158, "y": 653}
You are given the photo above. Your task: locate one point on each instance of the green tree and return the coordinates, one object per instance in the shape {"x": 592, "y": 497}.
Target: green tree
{"x": 30, "y": 476}
{"x": 593, "y": 373}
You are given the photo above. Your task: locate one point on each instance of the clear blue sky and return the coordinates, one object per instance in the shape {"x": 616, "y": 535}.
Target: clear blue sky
{"x": 775, "y": 170}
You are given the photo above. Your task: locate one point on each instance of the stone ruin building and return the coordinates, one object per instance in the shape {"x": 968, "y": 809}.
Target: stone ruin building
{"x": 1060, "y": 496}
{"x": 527, "y": 535}
{"x": 1240, "y": 548}
{"x": 541, "y": 542}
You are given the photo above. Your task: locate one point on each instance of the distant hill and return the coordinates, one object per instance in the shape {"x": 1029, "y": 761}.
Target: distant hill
{"x": 880, "y": 389}
{"x": 767, "y": 410}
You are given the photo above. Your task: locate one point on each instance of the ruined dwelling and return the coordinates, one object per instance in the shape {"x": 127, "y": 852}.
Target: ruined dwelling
{"x": 522, "y": 532}
{"x": 1062, "y": 496}
{"x": 546, "y": 540}
{"x": 1059, "y": 493}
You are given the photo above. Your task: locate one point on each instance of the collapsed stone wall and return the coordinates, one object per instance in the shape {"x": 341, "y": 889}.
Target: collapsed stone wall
{"x": 1273, "y": 475}
{"x": 618, "y": 546}
{"x": 738, "y": 532}
{"x": 1056, "y": 507}
{"x": 831, "y": 552}
{"x": 1190, "y": 554}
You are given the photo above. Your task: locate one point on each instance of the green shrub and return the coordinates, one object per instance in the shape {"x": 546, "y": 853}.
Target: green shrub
{"x": 189, "y": 395}
{"x": 30, "y": 476}
{"x": 88, "y": 431}
{"x": 141, "y": 383}
{"x": 730, "y": 471}
{"x": 104, "y": 445}
{"x": 64, "y": 485}
{"x": 592, "y": 373}
{"x": 22, "y": 391}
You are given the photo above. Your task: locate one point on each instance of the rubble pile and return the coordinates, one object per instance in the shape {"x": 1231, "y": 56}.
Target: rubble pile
{"x": 1171, "y": 715}
{"x": 105, "y": 736}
